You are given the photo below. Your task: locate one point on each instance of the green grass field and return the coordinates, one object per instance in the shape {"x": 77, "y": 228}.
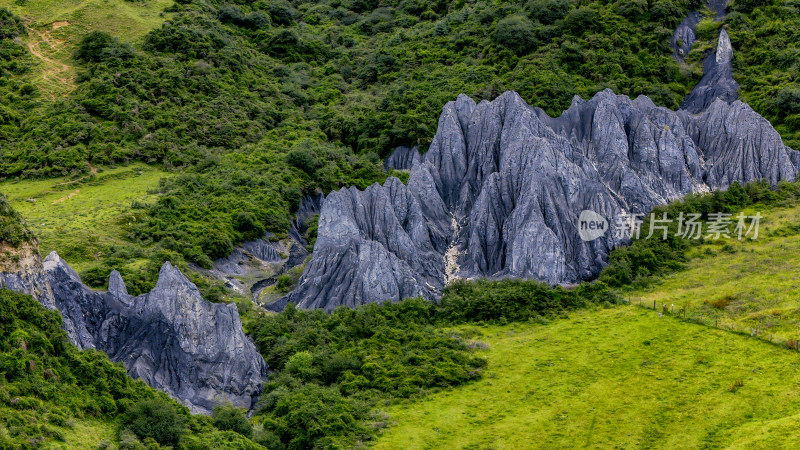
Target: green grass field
{"x": 615, "y": 378}
{"x": 742, "y": 284}
{"x": 56, "y": 27}
{"x": 79, "y": 218}
{"x": 127, "y": 20}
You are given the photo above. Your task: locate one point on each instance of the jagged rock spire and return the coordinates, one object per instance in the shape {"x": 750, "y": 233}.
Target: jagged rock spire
{"x": 717, "y": 81}
{"x": 500, "y": 190}
{"x": 173, "y": 339}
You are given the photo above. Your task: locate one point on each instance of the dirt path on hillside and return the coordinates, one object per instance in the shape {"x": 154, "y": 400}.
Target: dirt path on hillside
{"x": 51, "y": 69}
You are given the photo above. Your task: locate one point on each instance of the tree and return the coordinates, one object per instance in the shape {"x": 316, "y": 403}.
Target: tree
{"x": 516, "y": 33}
{"x": 548, "y": 11}
{"x": 158, "y": 419}
{"x": 227, "y": 417}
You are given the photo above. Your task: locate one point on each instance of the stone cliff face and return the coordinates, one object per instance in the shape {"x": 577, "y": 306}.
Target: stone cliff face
{"x": 501, "y": 187}
{"x": 499, "y": 192}
{"x": 171, "y": 338}
{"x": 717, "y": 81}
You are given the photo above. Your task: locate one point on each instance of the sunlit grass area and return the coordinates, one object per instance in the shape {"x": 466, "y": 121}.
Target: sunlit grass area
{"x": 614, "y": 378}
{"x": 742, "y": 284}
{"x": 127, "y": 20}
{"x": 56, "y": 27}
{"x": 80, "y": 218}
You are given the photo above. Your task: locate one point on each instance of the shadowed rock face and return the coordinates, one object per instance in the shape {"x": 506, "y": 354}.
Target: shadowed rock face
{"x": 685, "y": 35}
{"x": 402, "y": 158}
{"x": 501, "y": 187}
{"x": 717, "y": 81}
{"x": 171, "y": 338}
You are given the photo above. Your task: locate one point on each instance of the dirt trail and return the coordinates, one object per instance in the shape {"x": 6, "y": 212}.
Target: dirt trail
{"x": 52, "y": 70}
{"x": 66, "y": 197}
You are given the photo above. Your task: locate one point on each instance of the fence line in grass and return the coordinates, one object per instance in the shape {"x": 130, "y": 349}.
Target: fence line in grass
{"x": 682, "y": 313}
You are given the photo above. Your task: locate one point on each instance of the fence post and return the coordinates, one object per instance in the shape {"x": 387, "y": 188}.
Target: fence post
{"x": 654, "y": 305}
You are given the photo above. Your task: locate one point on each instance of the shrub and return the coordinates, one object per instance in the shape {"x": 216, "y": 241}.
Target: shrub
{"x": 98, "y": 46}
{"x": 548, "y": 11}
{"x": 516, "y": 33}
{"x": 10, "y": 25}
{"x": 157, "y": 419}
{"x": 229, "y": 418}
{"x": 300, "y": 365}
{"x": 788, "y": 101}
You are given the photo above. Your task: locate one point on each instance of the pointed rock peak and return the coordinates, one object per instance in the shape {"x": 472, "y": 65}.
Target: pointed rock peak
{"x": 116, "y": 286}
{"x": 53, "y": 257}
{"x": 464, "y": 98}
{"x": 53, "y": 263}
{"x": 576, "y": 101}
{"x": 606, "y": 93}
{"x": 170, "y": 275}
{"x": 724, "y": 48}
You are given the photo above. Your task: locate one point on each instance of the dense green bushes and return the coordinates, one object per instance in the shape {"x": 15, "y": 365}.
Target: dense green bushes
{"x": 766, "y": 38}
{"x": 13, "y": 231}
{"x": 646, "y": 259}
{"x": 155, "y": 419}
{"x": 229, "y": 418}
{"x": 334, "y": 369}
{"x": 42, "y": 375}
{"x": 515, "y": 300}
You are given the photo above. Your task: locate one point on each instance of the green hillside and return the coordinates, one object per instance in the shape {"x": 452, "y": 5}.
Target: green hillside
{"x": 55, "y": 28}
{"x": 612, "y": 378}
{"x": 125, "y": 19}
{"x": 133, "y": 132}
{"x": 743, "y": 285}
{"x": 254, "y": 104}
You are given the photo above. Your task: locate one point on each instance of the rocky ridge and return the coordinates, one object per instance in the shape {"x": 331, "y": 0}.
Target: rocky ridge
{"x": 171, "y": 338}
{"x": 499, "y": 192}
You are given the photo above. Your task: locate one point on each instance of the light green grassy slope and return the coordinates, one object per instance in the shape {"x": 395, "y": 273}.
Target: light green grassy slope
{"x": 622, "y": 378}
{"x": 79, "y": 218}
{"x": 742, "y": 284}
{"x": 128, "y": 20}
{"x": 56, "y": 26}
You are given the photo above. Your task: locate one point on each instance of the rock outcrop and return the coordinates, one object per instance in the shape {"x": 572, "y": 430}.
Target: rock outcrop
{"x": 685, "y": 36}
{"x": 717, "y": 81}
{"x": 171, "y": 338}
{"x": 500, "y": 190}
{"x": 402, "y": 158}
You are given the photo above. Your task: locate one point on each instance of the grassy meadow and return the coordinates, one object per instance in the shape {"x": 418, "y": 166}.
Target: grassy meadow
{"x": 741, "y": 284}
{"x": 55, "y": 28}
{"x": 81, "y": 217}
{"x": 622, "y": 377}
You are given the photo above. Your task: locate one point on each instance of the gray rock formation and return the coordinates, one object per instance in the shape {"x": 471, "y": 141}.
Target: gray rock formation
{"x": 719, "y": 7}
{"x": 402, "y": 158}
{"x": 255, "y": 265}
{"x": 171, "y": 338}
{"x": 717, "y": 81}
{"x": 685, "y": 36}
{"x": 500, "y": 190}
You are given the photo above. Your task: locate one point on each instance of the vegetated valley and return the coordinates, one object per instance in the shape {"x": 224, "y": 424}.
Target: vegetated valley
{"x": 200, "y": 132}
